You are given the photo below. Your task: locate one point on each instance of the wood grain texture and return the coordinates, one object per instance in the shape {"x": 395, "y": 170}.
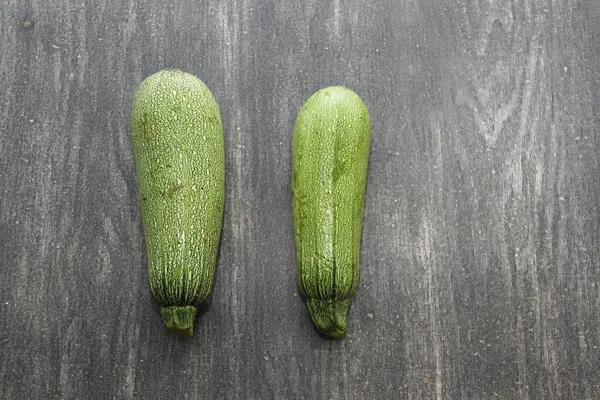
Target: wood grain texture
{"x": 480, "y": 270}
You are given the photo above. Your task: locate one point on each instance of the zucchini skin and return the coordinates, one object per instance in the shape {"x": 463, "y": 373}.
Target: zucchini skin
{"x": 330, "y": 154}
{"x": 177, "y": 139}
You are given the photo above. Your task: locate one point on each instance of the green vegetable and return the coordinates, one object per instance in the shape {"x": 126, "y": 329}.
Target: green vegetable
{"x": 177, "y": 140}
{"x": 330, "y": 154}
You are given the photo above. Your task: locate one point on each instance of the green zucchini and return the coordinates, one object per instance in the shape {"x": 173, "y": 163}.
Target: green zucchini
{"x": 177, "y": 139}
{"x": 330, "y": 154}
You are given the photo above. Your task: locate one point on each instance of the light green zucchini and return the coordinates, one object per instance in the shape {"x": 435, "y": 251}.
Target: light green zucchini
{"x": 330, "y": 154}
{"x": 177, "y": 139}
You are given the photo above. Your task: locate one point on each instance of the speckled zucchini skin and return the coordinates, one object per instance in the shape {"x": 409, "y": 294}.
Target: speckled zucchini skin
{"x": 177, "y": 139}
{"x": 330, "y": 154}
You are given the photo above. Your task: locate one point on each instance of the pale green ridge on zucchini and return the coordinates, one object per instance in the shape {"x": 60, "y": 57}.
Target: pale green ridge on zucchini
{"x": 177, "y": 139}
{"x": 330, "y": 153}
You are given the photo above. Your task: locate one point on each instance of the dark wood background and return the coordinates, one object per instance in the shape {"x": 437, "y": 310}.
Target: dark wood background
{"x": 481, "y": 245}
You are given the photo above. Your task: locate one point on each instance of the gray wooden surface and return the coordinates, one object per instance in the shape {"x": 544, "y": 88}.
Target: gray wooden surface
{"x": 481, "y": 245}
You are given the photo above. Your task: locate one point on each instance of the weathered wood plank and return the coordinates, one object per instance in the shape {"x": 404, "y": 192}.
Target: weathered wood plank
{"x": 480, "y": 262}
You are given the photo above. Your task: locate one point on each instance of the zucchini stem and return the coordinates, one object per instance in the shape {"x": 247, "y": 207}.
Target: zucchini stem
{"x": 179, "y": 319}
{"x": 329, "y": 316}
